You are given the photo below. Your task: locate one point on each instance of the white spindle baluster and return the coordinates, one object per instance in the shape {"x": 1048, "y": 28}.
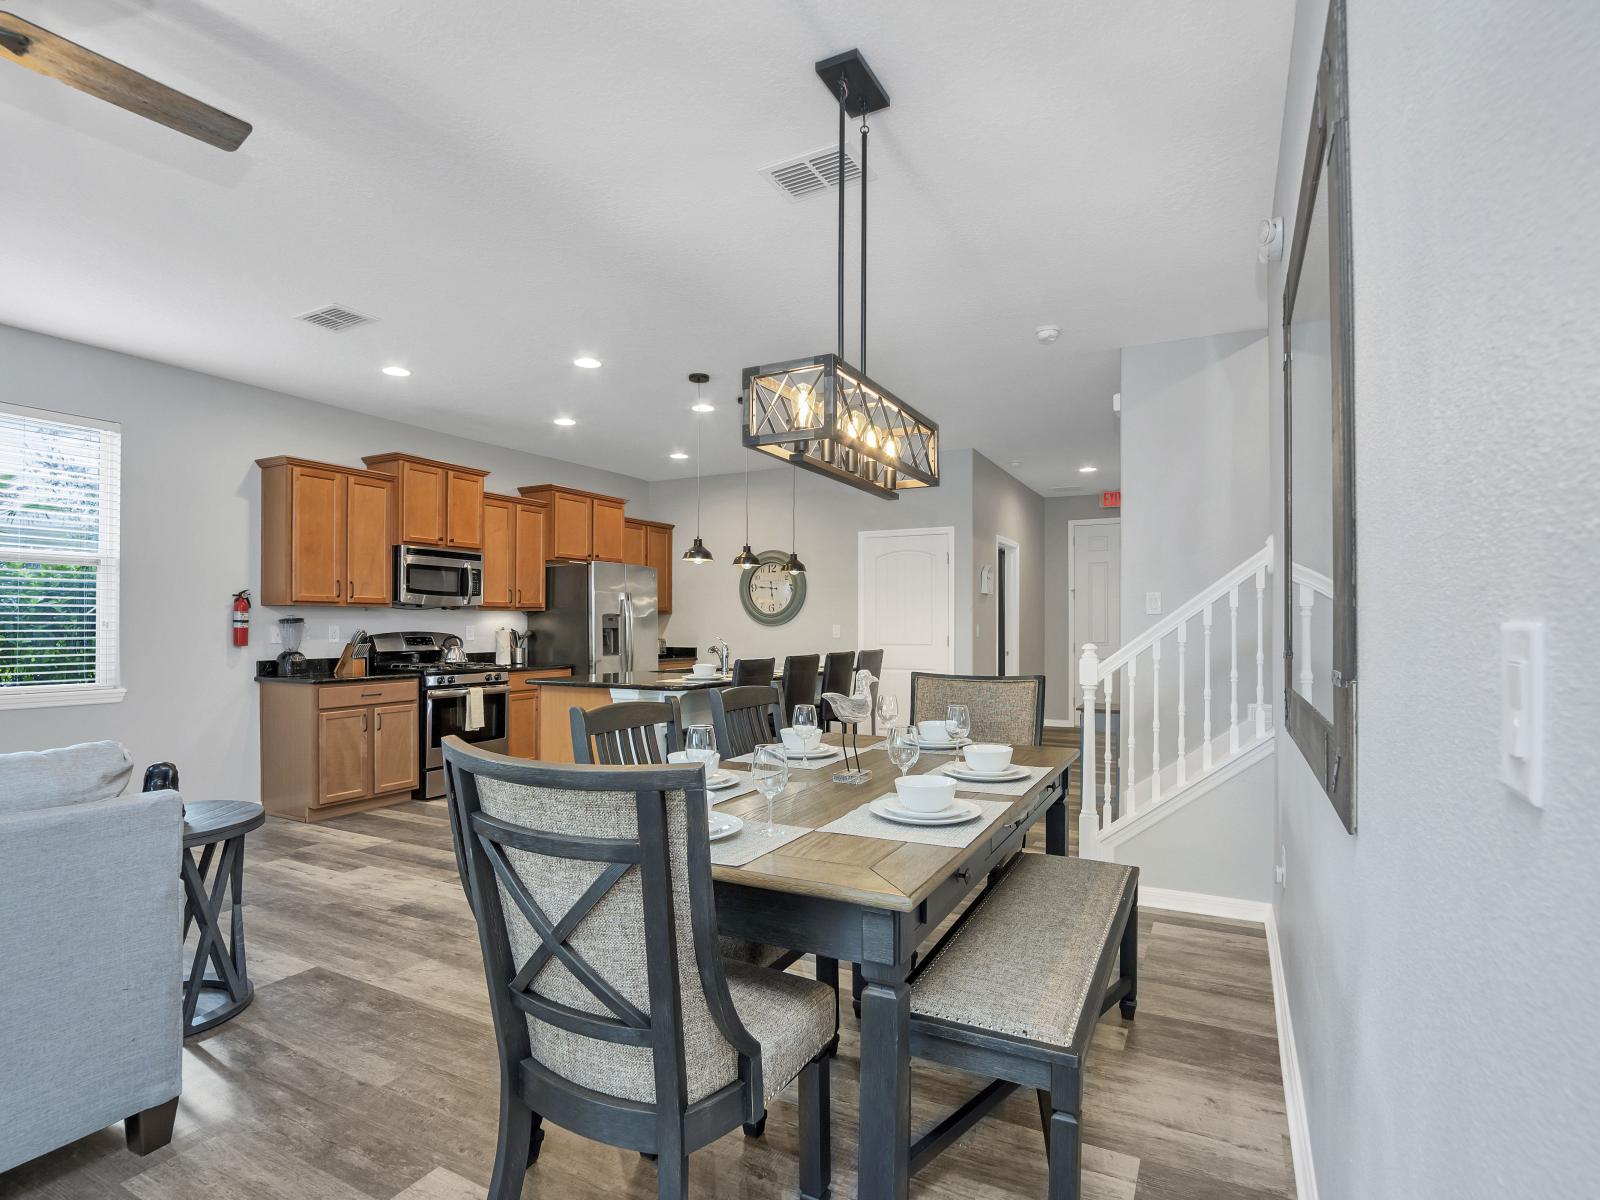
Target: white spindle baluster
{"x": 1155, "y": 721}
{"x": 1261, "y": 654}
{"x": 1233, "y": 669}
{"x": 1205, "y": 694}
{"x": 1125, "y": 795}
{"x": 1183, "y": 707}
{"x": 1088, "y": 810}
{"x": 1109, "y": 727}
{"x": 1302, "y": 653}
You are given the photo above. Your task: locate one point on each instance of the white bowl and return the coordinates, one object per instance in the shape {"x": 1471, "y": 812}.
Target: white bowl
{"x": 807, "y": 738}
{"x": 987, "y": 758}
{"x": 926, "y": 793}
{"x": 934, "y": 731}
{"x": 704, "y": 670}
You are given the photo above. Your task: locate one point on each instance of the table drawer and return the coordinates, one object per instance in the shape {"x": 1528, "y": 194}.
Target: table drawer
{"x": 365, "y": 691}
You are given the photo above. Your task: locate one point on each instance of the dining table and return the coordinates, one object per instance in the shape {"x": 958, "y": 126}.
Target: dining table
{"x": 871, "y": 897}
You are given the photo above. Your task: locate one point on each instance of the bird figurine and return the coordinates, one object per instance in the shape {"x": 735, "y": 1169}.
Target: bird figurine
{"x": 852, "y": 710}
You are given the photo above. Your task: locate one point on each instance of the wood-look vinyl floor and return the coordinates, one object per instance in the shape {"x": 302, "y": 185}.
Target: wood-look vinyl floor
{"x": 365, "y": 1068}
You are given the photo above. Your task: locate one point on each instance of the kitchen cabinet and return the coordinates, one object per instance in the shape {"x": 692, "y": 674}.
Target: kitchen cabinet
{"x": 658, "y": 554}
{"x": 607, "y": 526}
{"x": 514, "y": 553}
{"x": 523, "y": 708}
{"x": 341, "y": 747}
{"x": 498, "y": 524}
{"x": 434, "y": 503}
{"x": 325, "y": 534}
{"x": 581, "y": 526}
{"x": 633, "y": 538}
{"x": 531, "y": 553}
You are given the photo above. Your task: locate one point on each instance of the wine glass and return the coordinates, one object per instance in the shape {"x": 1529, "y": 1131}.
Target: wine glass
{"x": 888, "y": 708}
{"x": 904, "y": 749}
{"x": 957, "y": 722}
{"x": 700, "y": 745}
{"x": 769, "y": 771}
{"x": 803, "y": 718}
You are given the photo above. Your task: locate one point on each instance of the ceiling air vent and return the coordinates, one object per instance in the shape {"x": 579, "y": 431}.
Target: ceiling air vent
{"x": 335, "y": 318}
{"x": 811, "y": 173}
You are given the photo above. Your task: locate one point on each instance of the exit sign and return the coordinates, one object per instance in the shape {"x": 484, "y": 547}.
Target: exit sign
{"x": 1111, "y": 499}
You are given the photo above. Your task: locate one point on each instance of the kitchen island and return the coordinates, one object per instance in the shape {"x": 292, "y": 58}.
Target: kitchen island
{"x": 595, "y": 691}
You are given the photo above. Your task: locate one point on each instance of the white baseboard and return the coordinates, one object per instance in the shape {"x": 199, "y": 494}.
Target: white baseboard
{"x": 1294, "y": 1099}
{"x": 1061, "y": 722}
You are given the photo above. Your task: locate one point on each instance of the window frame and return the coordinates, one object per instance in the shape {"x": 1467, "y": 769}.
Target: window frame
{"x": 107, "y": 687}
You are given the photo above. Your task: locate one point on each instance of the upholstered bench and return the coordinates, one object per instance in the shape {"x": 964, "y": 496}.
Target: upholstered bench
{"x": 1013, "y": 992}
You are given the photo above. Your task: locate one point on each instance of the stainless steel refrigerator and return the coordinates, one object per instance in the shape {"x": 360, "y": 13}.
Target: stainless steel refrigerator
{"x": 599, "y": 616}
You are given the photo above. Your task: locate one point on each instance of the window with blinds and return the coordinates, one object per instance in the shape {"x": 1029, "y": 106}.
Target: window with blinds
{"x": 60, "y": 497}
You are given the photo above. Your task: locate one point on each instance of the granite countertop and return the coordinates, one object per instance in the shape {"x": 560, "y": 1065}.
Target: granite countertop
{"x": 646, "y": 681}
{"x": 321, "y": 671}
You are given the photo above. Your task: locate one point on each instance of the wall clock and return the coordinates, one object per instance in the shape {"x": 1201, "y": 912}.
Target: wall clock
{"x": 768, "y": 592}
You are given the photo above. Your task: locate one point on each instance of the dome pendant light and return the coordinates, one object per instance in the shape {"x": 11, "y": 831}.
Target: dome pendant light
{"x": 794, "y": 566}
{"x": 697, "y": 553}
{"x": 746, "y": 558}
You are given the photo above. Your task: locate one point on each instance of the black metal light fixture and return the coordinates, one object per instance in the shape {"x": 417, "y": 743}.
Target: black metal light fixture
{"x": 794, "y": 566}
{"x": 697, "y": 553}
{"x": 746, "y": 558}
{"x": 822, "y": 413}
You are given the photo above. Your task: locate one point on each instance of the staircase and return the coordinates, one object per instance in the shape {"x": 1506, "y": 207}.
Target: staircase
{"x": 1162, "y": 767}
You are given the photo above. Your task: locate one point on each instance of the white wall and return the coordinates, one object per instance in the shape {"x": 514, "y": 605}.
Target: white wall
{"x": 1004, "y": 507}
{"x": 1060, "y": 668}
{"x": 1440, "y": 962}
{"x": 191, "y": 537}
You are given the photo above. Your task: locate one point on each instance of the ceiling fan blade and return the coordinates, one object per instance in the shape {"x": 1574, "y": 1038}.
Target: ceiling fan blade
{"x": 49, "y": 54}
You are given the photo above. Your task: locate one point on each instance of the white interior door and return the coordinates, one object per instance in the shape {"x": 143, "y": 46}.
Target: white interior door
{"x": 1095, "y": 606}
{"x": 906, "y": 604}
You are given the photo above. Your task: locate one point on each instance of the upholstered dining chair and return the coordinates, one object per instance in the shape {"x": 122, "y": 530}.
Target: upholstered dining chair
{"x": 838, "y": 669}
{"x": 751, "y": 672}
{"x": 872, "y": 660}
{"x": 1004, "y": 708}
{"x": 744, "y": 718}
{"x": 799, "y": 684}
{"x": 615, "y": 1015}
{"x": 629, "y": 733}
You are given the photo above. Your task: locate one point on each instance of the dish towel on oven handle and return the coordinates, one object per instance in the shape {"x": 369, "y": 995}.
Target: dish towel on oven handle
{"x": 474, "y": 709}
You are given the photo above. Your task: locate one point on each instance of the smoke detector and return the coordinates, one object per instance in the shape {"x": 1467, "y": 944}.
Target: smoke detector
{"x": 1047, "y": 334}
{"x": 1269, "y": 240}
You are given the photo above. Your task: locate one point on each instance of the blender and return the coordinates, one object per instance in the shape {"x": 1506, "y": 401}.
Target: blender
{"x": 290, "y": 660}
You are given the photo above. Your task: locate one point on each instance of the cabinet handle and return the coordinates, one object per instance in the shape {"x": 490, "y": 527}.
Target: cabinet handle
{"x": 365, "y": 695}
{"x": 363, "y": 722}
{"x": 380, "y": 720}
{"x": 338, "y": 589}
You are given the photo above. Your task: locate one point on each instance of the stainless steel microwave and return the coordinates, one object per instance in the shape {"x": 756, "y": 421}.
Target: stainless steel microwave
{"x": 428, "y": 577}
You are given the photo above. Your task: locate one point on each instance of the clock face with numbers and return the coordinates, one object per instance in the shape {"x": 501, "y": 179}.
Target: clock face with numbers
{"x": 770, "y": 594}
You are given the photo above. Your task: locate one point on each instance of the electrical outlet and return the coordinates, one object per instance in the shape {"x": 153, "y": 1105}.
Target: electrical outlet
{"x": 1522, "y": 667}
{"x": 1280, "y": 871}
{"x": 1152, "y": 604}
{"x": 471, "y": 633}
{"x": 275, "y": 636}
{"x": 333, "y": 633}
{"x": 835, "y": 631}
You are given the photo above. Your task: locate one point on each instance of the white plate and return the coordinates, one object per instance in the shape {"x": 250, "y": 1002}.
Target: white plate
{"x": 1012, "y": 774}
{"x": 724, "y": 826}
{"x": 722, "y": 779}
{"x": 955, "y": 745}
{"x": 810, "y": 755}
{"x": 958, "y": 813}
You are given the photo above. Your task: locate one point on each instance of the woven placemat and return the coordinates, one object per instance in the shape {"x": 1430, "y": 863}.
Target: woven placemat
{"x": 863, "y": 822}
{"x": 795, "y": 764}
{"x": 751, "y": 842}
{"x": 743, "y": 788}
{"x": 1020, "y": 788}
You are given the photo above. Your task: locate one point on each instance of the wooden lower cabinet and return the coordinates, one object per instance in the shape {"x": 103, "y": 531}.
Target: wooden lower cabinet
{"x": 555, "y": 718}
{"x": 332, "y": 748}
{"x": 522, "y": 724}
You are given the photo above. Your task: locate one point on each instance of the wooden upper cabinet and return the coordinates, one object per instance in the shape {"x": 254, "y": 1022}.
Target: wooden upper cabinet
{"x": 607, "y": 538}
{"x": 529, "y": 556}
{"x": 572, "y": 518}
{"x": 325, "y": 534}
{"x": 498, "y": 568}
{"x": 580, "y": 525}
{"x": 435, "y": 503}
{"x": 658, "y": 554}
{"x": 633, "y": 538}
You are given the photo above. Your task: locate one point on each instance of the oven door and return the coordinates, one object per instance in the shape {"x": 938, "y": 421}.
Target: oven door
{"x": 437, "y": 578}
{"x": 444, "y": 714}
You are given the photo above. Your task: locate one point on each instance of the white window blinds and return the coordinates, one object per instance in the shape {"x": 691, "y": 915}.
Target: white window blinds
{"x": 60, "y": 540}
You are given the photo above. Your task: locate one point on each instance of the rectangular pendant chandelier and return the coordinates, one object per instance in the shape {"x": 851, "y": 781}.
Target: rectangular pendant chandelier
{"x": 825, "y": 416}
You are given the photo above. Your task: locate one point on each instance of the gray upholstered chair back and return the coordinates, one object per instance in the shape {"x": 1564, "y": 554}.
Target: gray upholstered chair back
{"x": 628, "y": 733}
{"x": 744, "y": 718}
{"x": 592, "y": 890}
{"x": 749, "y": 672}
{"x": 1004, "y": 708}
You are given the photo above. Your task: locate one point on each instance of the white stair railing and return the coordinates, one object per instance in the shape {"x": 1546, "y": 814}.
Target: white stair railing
{"x": 1097, "y": 679}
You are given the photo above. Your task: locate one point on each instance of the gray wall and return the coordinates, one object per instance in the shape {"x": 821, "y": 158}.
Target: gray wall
{"x": 1440, "y": 963}
{"x": 191, "y": 537}
{"x": 1060, "y": 668}
{"x": 1004, "y": 507}
{"x": 706, "y": 598}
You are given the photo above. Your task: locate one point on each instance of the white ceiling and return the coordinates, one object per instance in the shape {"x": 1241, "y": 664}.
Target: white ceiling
{"x": 508, "y": 185}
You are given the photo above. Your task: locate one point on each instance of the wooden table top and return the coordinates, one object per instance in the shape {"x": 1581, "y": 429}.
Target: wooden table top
{"x": 879, "y": 872}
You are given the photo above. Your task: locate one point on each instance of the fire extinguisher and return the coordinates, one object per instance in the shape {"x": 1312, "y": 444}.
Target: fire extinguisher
{"x": 241, "y": 618}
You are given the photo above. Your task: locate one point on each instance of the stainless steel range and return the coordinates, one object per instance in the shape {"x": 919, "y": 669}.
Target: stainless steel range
{"x": 459, "y": 698}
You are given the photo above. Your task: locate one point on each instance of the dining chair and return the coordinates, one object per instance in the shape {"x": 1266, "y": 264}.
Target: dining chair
{"x": 838, "y": 669}
{"x": 615, "y": 1016}
{"x": 630, "y": 733}
{"x": 799, "y": 684}
{"x": 744, "y": 718}
{"x": 748, "y": 672}
{"x": 1004, "y": 708}
{"x": 872, "y": 660}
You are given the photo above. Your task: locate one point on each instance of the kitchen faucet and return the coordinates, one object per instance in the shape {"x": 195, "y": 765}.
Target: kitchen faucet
{"x": 719, "y": 647}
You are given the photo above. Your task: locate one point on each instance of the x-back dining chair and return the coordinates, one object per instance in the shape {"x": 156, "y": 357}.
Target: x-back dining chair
{"x": 615, "y": 1015}
{"x": 744, "y": 718}
{"x": 628, "y": 733}
{"x": 1004, "y": 708}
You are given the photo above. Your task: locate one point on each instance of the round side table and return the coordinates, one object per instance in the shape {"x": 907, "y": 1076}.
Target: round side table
{"x": 216, "y": 987}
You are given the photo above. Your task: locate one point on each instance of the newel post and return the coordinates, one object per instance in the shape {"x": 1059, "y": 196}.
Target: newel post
{"x": 1088, "y": 808}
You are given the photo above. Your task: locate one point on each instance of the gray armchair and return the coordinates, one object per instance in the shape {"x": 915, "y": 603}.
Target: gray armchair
{"x": 90, "y": 942}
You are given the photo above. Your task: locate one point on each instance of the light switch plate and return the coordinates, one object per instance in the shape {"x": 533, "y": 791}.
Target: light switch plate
{"x": 1522, "y": 709}
{"x": 275, "y": 636}
{"x": 471, "y": 633}
{"x": 333, "y": 633}
{"x": 835, "y": 631}
{"x": 1152, "y": 604}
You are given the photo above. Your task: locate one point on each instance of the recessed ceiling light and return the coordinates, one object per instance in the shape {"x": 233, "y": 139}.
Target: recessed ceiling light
{"x": 677, "y": 454}
{"x": 1016, "y": 462}
{"x": 397, "y": 372}
{"x": 703, "y": 407}
{"x": 1087, "y": 470}
{"x": 587, "y": 362}
{"x": 566, "y": 421}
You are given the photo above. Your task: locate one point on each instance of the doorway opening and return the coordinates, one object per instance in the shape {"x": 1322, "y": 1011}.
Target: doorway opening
{"x": 1008, "y": 606}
